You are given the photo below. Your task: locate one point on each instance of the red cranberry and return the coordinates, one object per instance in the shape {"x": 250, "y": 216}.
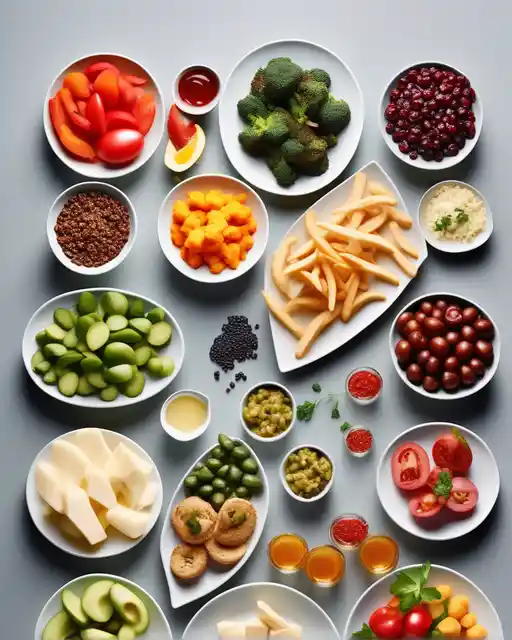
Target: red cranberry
{"x": 402, "y": 124}
{"x": 403, "y": 147}
{"x": 433, "y": 366}
{"x": 427, "y": 307}
{"x": 484, "y": 351}
{"x": 424, "y": 81}
{"x": 391, "y": 112}
{"x": 471, "y": 131}
{"x": 413, "y": 155}
{"x": 484, "y": 328}
{"x": 438, "y": 156}
{"x": 457, "y": 91}
{"x": 420, "y": 317}
{"x": 417, "y": 340}
{"x": 462, "y": 81}
{"x": 402, "y": 83}
{"x": 441, "y": 304}
{"x": 471, "y": 115}
{"x": 462, "y": 112}
{"x": 411, "y": 326}
{"x": 430, "y": 384}
{"x": 432, "y": 105}
{"x": 468, "y": 333}
{"x": 452, "y": 150}
{"x": 465, "y": 102}
{"x": 390, "y": 128}
{"x": 438, "y": 77}
{"x": 403, "y": 113}
{"x": 403, "y": 319}
{"x": 403, "y": 352}
{"x": 394, "y": 95}
{"x": 453, "y": 316}
{"x": 414, "y": 116}
{"x": 426, "y": 125}
{"x": 451, "y": 129}
{"x": 439, "y": 347}
{"x": 460, "y": 141}
{"x": 428, "y": 94}
{"x": 417, "y": 104}
{"x": 407, "y": 93}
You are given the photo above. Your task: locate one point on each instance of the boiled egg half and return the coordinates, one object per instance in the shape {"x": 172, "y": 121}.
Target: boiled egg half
{"x": 179, "y": 160}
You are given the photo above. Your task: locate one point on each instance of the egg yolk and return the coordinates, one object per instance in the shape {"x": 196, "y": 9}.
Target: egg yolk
{"x": 185, "y": 154}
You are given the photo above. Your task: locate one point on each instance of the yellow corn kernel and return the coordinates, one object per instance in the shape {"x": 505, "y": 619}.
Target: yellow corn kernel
{"x": 478, "y": 631}
{"x": 469, "y": 620}
{"x": 449, "y": 627}
{"x": 458, "y": 606}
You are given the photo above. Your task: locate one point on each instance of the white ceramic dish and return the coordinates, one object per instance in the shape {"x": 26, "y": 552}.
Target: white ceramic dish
{"x": 441, "y": 394}
{"x": 483, "y": 473}
{"x": 307, "y": 55}
{"x": 189, "y": 108}
{"x": 205, "y": 183}
{"x": 282, "y": 474}
{"x": 98, "y": 170}
{"x": 116, "y": 543}
{"x": 56, "y": 209}
{"x": 453, "y": 246}
{"x": 339, "y": 333}
{"x": 378, "y": 595}
{"x": 44, "y": 317}
{"x": 447, "y": 162}
{"x": 158, "y": 629}
{"x": 185, "y": 436}
{"x": 287, "y": 392}
{"x": 239, "y": 604}
{"x": 182, "y": 593}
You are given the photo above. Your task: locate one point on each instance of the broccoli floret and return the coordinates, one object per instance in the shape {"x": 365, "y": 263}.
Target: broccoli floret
{"x": 311, "y": 94}
{"x": 319, "y": 75}
{"x": 292, "y": 150}
{"x": 317, "y": 167}
{"x": 251, "y": 139}
{"x": 281, "y": 77}
{"x": 331, "y": 140}
{"x": 300, "y": 155}
{"x": 251, "y": 105}
{"x": 274, "y": 128}
{"x": 333, "y": 116}
{"x": 282, "y": 171}
{"x": 258, "y": 84}
{"x": 299, "y": 110}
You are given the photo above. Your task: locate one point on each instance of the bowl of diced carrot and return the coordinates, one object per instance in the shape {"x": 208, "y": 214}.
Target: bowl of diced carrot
{"x": 213, "y": 228}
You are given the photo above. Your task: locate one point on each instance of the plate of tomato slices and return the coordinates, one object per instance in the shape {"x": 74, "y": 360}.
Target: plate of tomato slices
{"x": 438, "y": 481}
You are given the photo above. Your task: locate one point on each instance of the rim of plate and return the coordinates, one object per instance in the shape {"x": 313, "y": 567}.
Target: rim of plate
{"x": 454, "y": 246}
{"x": 286, "y": 391}
{"x": 425, "y": 535}
{"x": 305, "y": 190}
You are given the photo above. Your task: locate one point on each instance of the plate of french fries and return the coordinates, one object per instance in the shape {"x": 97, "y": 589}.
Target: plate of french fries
{"x": 340, "y": 266}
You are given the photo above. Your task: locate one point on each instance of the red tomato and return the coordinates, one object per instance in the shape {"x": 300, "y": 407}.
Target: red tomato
{"x": 417, "y": 622}
{"x": 386, "y": 623}
{"x": 96, "y": 114}
{"x": 452, "y": 450}
{"x": 463, "y": 497}
{"x": 118, "y": 119}
{"x": 57, "y": 113}
{"x": 94, "y": 70}
{"x": 179, "y": 128}
{"x": 128, "y": 94}
{"x": 425, "y": 505}
{"x": 120, "y": 146}
{"x": 144, "y": 111}
{"x": 410, "y": 466}
{"x": 136, "y": 81}
{"x": 107, "y": 86}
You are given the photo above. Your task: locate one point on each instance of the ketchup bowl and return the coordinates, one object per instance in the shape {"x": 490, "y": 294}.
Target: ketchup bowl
{"x": 196, "y": 89}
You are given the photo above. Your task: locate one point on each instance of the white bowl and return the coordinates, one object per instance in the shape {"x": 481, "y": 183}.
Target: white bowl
{"x": 441, "y": 394}
{"x": 453, "y": 246}
{"x": 205, "y": 183}
{"x": 287, "y": 392}
{"x": 99, "y": 170}
{"x": 56, "y": 208}
{"x": 420, "y": 163}
{"x": 282, "y": 473}
{"x": 483, "y": 473}
{"x": 189, "y": 108}
{"x": 115, "y": 543}
{"x": 158, "y": 629}
{"x": 184, "y": 436}
{"x": 43, "y": 317}
{"x": 308, "y": 55}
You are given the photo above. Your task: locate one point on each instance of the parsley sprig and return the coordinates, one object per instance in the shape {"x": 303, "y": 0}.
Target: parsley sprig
{"x": 446, "y": 221}
{"x": 366, "y": 633}
{"x": 443, "y": 486}
{"x": 306, "y": 409}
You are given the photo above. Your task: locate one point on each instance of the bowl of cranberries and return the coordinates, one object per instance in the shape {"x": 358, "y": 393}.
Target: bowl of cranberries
{"x": 431, "y": 116}
{"x": 444, "y": 346}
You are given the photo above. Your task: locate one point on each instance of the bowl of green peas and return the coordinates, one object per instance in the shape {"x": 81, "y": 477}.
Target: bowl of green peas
{"x": 268, "y": 411}
{"x": 307, "y": 473}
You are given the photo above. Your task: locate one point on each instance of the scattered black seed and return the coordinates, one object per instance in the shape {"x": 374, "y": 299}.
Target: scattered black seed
{"x": 216, "y": 375}
{"x": 228, "y": 390}
{"x": 232, "y": 385}
{"x": 236, "y": 343}
{"x": 256, "y": 326}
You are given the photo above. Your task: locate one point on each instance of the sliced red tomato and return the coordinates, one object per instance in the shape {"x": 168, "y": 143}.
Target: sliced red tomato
{"x": 463, "y": 497}
{"x": 417, "y": 622}
{"x": 425, "y": 505}
{"x": 120, "y": 146}
{"x": 81, "y": 105}
{"x": 386, "y": 623}
{"x": 96, "y": 114}
{"x": 128, "y": 94}
{"x": 410, "y": 466}
{"x": 94, "y": 70}
{"x": 136, "y": 81}
{"x": 57, "y": 113}
{"x": 180, "y": 129}
{"x": 118, "y": 119}
{"x": 144, "y": 111}
{"x": 453, "y": 451}
{"x": 106, "y": 84}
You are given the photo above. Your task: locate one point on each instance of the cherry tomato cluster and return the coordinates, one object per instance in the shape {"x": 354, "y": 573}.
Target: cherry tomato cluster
{"x": 390, "y": 622}
{"x": 103, "y": 114}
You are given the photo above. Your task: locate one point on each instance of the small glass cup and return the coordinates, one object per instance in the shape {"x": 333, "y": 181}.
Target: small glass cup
{"x": 318, "y": 572}
{"x": 295, "y": 561}
{"x": 358, "y": 454}
{"x": 351, "y": 546}
{"x": 375, "y": 561}
{"x": 364, "y": 401}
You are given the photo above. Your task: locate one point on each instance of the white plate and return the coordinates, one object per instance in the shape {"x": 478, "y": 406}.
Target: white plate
{"x": 56, "y": 209}
{"x": 339, "y": 333}
{"x": 483, "y": 473}
{"x": 116, "y": 543}
{"x": 158, "y": 629}
{"x": 99, "y": 170}
{"x": 378, "y": 595}
{"x": 307, "y": 55}
{"x": 453, "y": 246}
{"x": 44, "y": 317}
{"x": 447, "y": 162}
{"x": 239, "y": 604}
{"x": 441, "y": 394}
{"x": 182, "y": 593}
{"x": 205, "y": 183}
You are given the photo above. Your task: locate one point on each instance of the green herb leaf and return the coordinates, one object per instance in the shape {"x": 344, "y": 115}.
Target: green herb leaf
{"x": 429, "y": 594}
{"x": 456, "y": 432}
{"x": 305, "y": 410}
{"x": 442, "y": 223}
{"x": 366, "y": 633}
{"x": 193, "y": 525}
{"x": 462, "y": 216}
{"x": 408, "y": 601}
{"x": 345, "y": 426}
{"x": 316, "y": 387}
{"x": 443, "y": 486}
{"x": 409, "y": 586}
{"x": 335, "y": 413}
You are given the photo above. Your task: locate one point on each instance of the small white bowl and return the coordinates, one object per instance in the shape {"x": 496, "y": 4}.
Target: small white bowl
{"x": 420, "y": 163}
{"x": 453, "y": 246}
{"x": 115, "y": 544}
{"x": 99, "y": 170}
{"x": 189, "y": 108}
{"x": 56, "y": 208}
{"x": 205, "y": 183}
{"x": 158, "y": 629}
{"x": 287, "y": 392}
{"x": 282, "y": 473}
{"x": 184, "y": 436}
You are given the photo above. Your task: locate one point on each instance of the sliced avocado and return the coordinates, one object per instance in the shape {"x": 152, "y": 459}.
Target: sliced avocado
{"x": 59, "y": 627}
{"x": 126, "y": 632}
{"x": 96, "y": 601}
{"x": 113, "y": 625}
{"x": 130, "y": 608}
{"x": 96, "y": 634}
{"x": 73, "y": 606}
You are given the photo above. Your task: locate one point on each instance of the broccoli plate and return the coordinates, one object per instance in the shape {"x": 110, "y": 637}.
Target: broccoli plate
{"x": 291, "y": 119}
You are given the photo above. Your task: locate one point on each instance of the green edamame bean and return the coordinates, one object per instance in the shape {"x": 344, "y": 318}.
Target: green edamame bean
{"x": 50, "y": 377}
{"x": 135, "y": 386}
{"x": 243, "y": 492}
{"x": 54, "y": 333}
{"x": 36, "y": 359}
{"x": 54, "y": 350}
{"x": 114, "y": 303}
{"x": 109, "y": 394}
{"x": 97, "y": 336}
{"x": 87, "y": 303}
{"x": 117, "y": 323}
{"x": 119, "y": 374}
{"x": 142, "y": 355}
{"x": 218, "y": 452}
{"x": 159, "y": 334}
{"x": 119, "y": 353}
{"x": 42, "y": 367}
{"x": 142, "y": 325}
{"x": 63, "y": 318}
{"x": 84, "y": 387}
{"x": 136, "y": 308}
{"x": 70, "y": 339}
{"x": 70, "y": 358}
{"x": 223, "y": 471}
{"x": 68, "y": 384}
{"x": 130, "y": 336}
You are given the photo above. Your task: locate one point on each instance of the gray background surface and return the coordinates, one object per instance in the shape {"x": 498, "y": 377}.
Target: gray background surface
{"x": 376, "y": 40}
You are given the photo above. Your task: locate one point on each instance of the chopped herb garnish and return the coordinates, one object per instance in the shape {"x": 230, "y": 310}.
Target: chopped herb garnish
{"x": 446, "y": 221}
{"x": 366, "y": 633}
{"x": 346, "y": 425}
{"x": 306, "y": 409}
{"x": 316, "y": 387}
{"x": 443, "y": 486}
{"x": 193, "y": 525}
{"x": 462, "y": 216}
{"x": 410, "y": 588}
{"x": 335, "y": 413}
{"x": 443, "y": 223}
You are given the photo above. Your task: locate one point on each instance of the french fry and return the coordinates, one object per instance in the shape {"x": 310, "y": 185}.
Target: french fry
{"x": 306, "y": 303}
{"x": 404, "y": 263}
{"x": 403, "y": 242}
{"x": 303, "y": 251}
{"x": 358, "y": 186}
{"x": 369, "y": 256}
{"x": 400, "y": 217}
{"x": 314, "y": 329}
{"x": 281, "y": 281}
{"x": 284, "y": 318}
{"x": 302, "y": 265}
{"x": 342, "y": 267}
{"x": 364, "y": 298}
{"x": 317, "y": 236}
{"x": 377, "y": 189}
{"x": 374, "y": 269}
{"x": 356, "y": 220}
{"x": 310, "y": 278}
{"x": 331, "y": 285}
{"x": 352, "y": 287}
{"x": 375, "y": 223}
{"x": 363, "y": 284}
{"x": 365, "y": 203}
{"x": 344, "y": 233}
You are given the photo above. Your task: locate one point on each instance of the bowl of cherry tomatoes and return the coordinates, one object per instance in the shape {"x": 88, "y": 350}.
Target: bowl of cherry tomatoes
{"x": 104, "y": 115}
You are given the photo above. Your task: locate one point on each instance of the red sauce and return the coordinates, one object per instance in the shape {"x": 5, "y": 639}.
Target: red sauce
{"x": 359, "y": 440}
{"x": 350, "y": 531}
{"x": 198, "y": 86}
{"x": 364, "y": 385}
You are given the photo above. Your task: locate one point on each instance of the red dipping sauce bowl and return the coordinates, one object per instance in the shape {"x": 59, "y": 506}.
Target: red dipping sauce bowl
{"x": 364, "y": 385}
{"x": 197, "y": 89}
{"x": 348, "y": 531}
